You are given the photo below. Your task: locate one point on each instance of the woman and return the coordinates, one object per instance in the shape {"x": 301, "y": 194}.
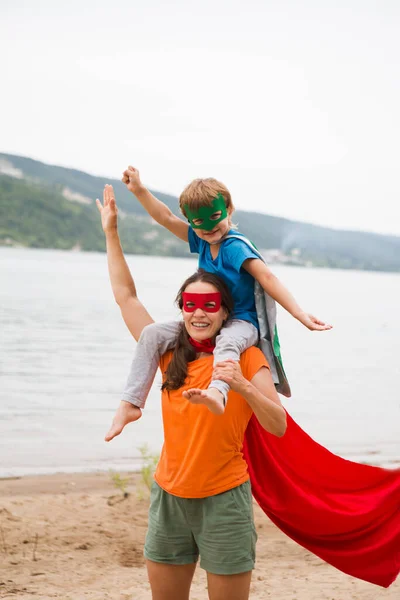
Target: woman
{"x": 201, "y": 503}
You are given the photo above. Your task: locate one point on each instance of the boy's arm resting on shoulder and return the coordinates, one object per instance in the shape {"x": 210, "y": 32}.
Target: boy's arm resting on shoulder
{"x": 275, "y": 288}
{"x": 154, "y": 207}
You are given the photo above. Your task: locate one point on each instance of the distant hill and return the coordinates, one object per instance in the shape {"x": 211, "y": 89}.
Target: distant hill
{"x": 51, "y": 207}
{"x": 46, "y": 206}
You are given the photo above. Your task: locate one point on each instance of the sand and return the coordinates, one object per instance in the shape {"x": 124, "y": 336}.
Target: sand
{"x": 75, "y": 537}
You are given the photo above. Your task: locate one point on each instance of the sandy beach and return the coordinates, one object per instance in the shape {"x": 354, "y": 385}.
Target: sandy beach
{"x": 75, "y": 537}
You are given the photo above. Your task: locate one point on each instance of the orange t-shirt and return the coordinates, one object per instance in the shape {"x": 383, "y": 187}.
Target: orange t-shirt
{"x": 202, "y": 453}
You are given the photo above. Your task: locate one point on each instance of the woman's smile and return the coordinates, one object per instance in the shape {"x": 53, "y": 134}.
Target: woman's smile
{"x": 200, "y": 329}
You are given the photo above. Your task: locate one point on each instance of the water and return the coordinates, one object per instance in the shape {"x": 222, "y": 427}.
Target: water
{"x": 65, "y": 353}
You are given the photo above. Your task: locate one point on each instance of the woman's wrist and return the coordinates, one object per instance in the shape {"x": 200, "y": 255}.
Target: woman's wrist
{"x": 245, "y": 387}
{"x": 111, "y": 232}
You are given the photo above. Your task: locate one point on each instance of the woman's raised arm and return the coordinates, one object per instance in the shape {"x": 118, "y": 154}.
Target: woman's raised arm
{"x": 133, "y": 312}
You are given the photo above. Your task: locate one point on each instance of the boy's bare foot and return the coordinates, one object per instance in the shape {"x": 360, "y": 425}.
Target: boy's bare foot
{"x": 212, "y": 398}
{"x": 126, "y": 413}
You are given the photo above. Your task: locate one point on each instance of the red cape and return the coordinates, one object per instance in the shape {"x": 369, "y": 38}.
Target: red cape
{"x": 346, "y": 513}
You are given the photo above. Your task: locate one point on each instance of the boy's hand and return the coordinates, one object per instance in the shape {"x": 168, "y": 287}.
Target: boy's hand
{"x": 108, "y": 209}
{"x": 131, "y": 178}
{"x": 312, "y": 322}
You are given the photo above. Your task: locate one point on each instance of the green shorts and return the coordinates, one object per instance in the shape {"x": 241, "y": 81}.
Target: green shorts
{"x": 220, "y": 529}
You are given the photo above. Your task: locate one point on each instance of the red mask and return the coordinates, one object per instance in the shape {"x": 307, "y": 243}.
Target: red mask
{"x": 210, "y": 303}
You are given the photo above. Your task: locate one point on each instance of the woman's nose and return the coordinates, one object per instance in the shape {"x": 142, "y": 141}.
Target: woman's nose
{"x": 199, "y": 312}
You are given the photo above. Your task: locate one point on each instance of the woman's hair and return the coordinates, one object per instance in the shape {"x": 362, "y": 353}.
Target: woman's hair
{"x": 202, "y": 192}
{"x": 184, "y": 352}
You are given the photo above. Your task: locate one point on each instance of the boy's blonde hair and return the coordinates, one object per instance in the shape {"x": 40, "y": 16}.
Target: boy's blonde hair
{"x": 201, "y": 192}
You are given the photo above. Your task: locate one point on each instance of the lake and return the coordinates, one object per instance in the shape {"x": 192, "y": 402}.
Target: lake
{"x": 65, "y": 354}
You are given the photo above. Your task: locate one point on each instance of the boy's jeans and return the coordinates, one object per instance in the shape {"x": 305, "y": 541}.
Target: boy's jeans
{"x": 157, "y": 338}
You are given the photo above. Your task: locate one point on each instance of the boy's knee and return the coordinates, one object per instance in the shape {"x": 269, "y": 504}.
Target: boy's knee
{"x": 229, "y": 343}
{"x": 240, "y": 336}
{"x": 158, "y": 336}
{"x": 150, "y": 333}
{"x": 236, "y": 343}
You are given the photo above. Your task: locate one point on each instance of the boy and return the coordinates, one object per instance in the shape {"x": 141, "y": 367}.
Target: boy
{"x": 207, "y": 205}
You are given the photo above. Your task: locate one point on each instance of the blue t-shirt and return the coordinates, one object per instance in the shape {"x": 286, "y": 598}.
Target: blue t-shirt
{"x": 228, "y": 265}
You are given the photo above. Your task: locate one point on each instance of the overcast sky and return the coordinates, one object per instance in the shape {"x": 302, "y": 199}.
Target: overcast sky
{"x": 294, "y": 105}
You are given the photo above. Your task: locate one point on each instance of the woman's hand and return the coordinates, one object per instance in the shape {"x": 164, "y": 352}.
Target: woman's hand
{"x": 108, "y": 210}
{"x": 230, "y": 372}
{"x": 131, "y": 178}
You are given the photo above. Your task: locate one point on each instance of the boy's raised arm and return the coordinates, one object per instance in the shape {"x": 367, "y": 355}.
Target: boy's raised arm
{"x": 275, "y": 288}
{"x": 156, "y": 209}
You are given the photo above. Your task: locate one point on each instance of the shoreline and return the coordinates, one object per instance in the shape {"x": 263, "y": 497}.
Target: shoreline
{"x": 19, "y": 472}
{"x": 134, "y": 464}
{"x": 285, "y": 261}
{"x": 73, "y": 536}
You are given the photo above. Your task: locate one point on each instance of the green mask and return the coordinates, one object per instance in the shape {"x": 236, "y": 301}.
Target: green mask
{"x": 205, "y": 213}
